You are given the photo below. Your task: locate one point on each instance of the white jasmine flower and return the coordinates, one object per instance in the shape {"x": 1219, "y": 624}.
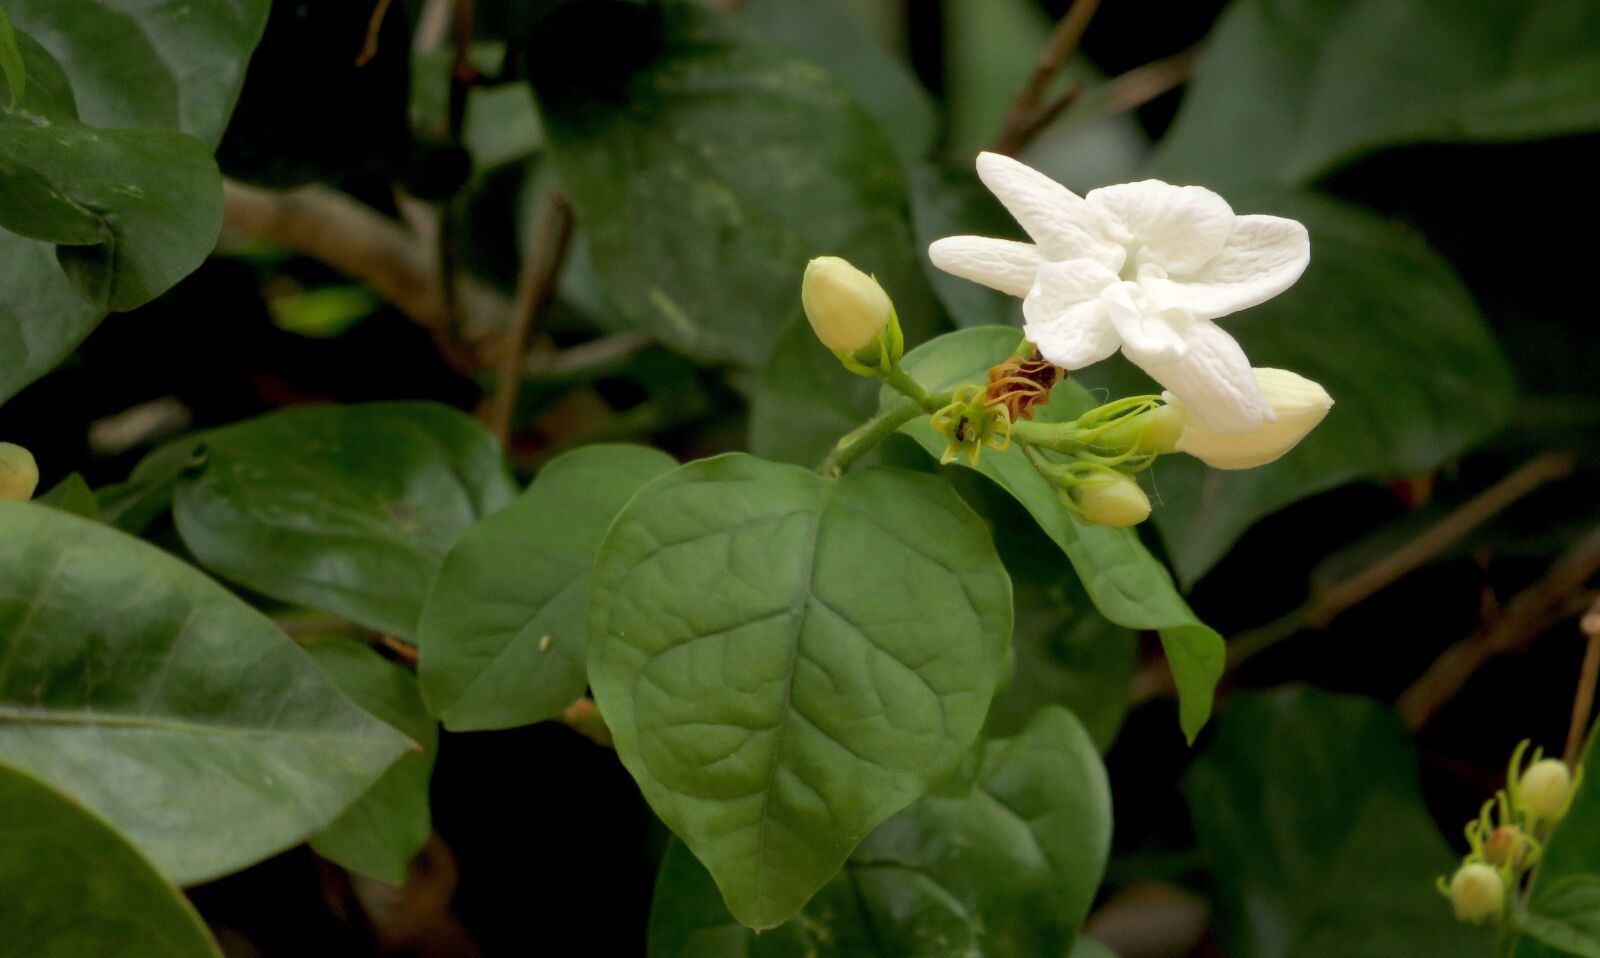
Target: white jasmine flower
{"x": 1144, "y": 267}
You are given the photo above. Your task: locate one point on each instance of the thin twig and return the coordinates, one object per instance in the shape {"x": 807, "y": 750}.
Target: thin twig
{"x": 1046, "y": 115}
{"x": 1142, "y": 84}
{"x": 1326, "y": 604}
{"x": 1556, "y": 596}
{"x": 1063, "y": 41}
{"x": 1583, "y": 702}
{"x": 403, "y": 650}
{"x": 551, "y": 232}
{"x": 369, "y": 49}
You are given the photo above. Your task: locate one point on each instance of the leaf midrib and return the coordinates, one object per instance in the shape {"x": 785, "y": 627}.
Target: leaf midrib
{"x": 34, "y": 716}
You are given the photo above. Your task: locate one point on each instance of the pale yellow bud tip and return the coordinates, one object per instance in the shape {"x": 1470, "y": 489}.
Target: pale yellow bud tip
{"x": 19, "y": 474}
{"x": 1299, "y": 404}
{"x": 1477, "y": 892}
{"x": 1544, "y": 788}
{"x": 846, "y": 307}
{"x": 1111, "y": 499}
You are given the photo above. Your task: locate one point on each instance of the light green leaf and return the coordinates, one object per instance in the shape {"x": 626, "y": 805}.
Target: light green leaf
{"x": 166, "y": 704}
{"x": 71, "y": 886}
{"x": 140, "y": 63}
{"x": 380, "y": 834}
{"x": 502, "y": 635}
{"x": 1307, "y": 805}
{"x": 787, "y": 661}
{"x": 349, "y": 509}
{"x": 73, "y": 495}
{"x": 835, "y": 37}
{"x": 1564, "y": 890}
{"x": 1006, "y": 865}
{"x": 709, "y": 175}
{"x": 1568, "y": 916}
{"x": 1289, "y": 89}
{"x": 16, "y": 72}
{"x": 1384, "y": 324}
{"x": 1124, "y": 580}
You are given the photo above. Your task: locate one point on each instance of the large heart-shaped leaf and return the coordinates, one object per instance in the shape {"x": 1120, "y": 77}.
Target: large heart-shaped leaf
{"x": 786, "y": 661}
{"x": 1566, "y": 889}
{"x": 1307, "y": 806}
{"x": 71, "y": 886}
{"x": 1125, "y": 581}
{"x": 350, "y": 509}
{"x": 1288, "y": 89}
{"x": 380, "y": 834}
{"x": 1382, "y": 322}
{"x": 502, "y": 635}
{"x": 166, "y": 704}
{"x": 1005, "y": 864}
{"x": 708, "y": 171}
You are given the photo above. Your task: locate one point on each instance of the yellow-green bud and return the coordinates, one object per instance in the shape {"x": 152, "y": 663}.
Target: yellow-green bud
{"x": 1505, "y": 845}
{"x": 1544, "y": 788}
{"x": 847, "y": 308}
{"x": 1477, "y": 892}
{"x": 19, "y": 474}
{"x": 1299, "y": 404}
{"x": 1109, "y": 498}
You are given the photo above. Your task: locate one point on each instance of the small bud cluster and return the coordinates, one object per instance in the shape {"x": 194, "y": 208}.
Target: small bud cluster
{"x": 1507, "y": 838}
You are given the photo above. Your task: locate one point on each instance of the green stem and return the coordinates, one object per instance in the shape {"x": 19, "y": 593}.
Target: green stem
{"x": 901, "y": 382}
{"x": 865, "y": 439}
{"x": 1058, "y": 436}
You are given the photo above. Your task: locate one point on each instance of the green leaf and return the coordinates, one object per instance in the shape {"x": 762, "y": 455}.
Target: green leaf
{"x": 1308, "y": 807}
{"x": 73, "y": 495}
{"x": 16, "y": 72}
{"x": 1564, "y": 891}
{"x": 787, "y": 661}
{"x": 707, "y": 173}
{"x": 502, "y": 634}
{"x": 1005, "y": 866}
{"x": 349, "y": 509}
{"x": 835, "y": 37}
{"x": 380, "y": 834}
{"x": 806, "y": 400}
{"x": 131, "y": 211}
{"x": 166, "y": 704}
{"x": 1568, "y": 916}
{"x": 134, "y": 63}
{"x": 71, "y": 886}
{"x": 1089, "y": 948}
{"x": 1124, "y": 580}
{"x": 1289, "y": 89}
{"x": 1384, "y": 324}
{"x": 947, "y": 200}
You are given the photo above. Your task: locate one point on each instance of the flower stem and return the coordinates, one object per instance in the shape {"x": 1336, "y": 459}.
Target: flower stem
{"x": 901, "y": 382}
{"x": 863, "y": 440}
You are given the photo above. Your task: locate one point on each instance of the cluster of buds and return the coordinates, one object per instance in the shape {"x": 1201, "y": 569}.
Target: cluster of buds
{"x": 1093, "y": 460}
{"x": 19, "y": 474}
{"x": 1507, "y": 838}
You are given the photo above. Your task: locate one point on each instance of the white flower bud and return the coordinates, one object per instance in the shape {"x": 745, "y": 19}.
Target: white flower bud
{"x": 846, "y": 307}
{"x": 1544, "y": 787}
{"x": 1110, "y": 499}
{"x": 1477, "y": 892}
{"x": 1299, "y": 404}
{"x": 19, "y": 474}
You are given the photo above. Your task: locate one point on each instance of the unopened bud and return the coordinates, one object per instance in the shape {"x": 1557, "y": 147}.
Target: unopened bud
{"x": 1505, "y": 846}
{"x": 1544, "y": 788}
{"x": 850, "y": 313}
{"x": 1109, "y": 498}
{"x": 19, "y": 474}
{"x": 1299, "y": 403}
{"x": 1477, "y": 892}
